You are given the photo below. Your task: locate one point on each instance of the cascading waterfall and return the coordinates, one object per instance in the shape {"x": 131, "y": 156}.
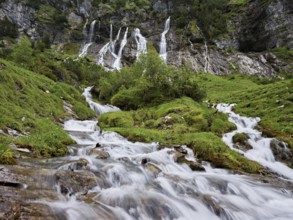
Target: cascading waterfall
{"x": 90, "y": 39}
{"x": 143, "y": 181}
{"x": 92, "y": 31}
{"x": 98, "y": 108}
{"x": 141, "y": 43}
{"x": 206, "y": 58}
{"x": 163, "y": 43}
{"x": 261, "y": 151}
{"x": 117, "y": 63}
{"x": 110, "y": 46}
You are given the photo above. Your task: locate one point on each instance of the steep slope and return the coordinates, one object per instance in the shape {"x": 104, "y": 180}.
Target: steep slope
{"x": 31, "y": 108}
{"x": 205, "y": 35}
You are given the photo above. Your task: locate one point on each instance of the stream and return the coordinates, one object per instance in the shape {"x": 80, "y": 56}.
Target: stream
{"x": 108, "y": 177}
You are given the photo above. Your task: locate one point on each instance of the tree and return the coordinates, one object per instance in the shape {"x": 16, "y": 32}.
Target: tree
{"x": 22, "y": 52}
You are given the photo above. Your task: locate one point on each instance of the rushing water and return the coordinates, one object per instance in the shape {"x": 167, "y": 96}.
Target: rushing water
{"x": 261, "y": 150}
{"x": 110, "y": 47}
{"x": 140, "y": 42}
{"x": 141, "y": 181}
{"x": 90, "y": 39}
{"x": 117, "y": 63}
{"x": 163, "y": 43}
{"x": 98, "y": 108}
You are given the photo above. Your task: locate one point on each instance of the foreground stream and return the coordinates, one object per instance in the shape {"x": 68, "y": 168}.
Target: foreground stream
{"x": 108, "y": 177}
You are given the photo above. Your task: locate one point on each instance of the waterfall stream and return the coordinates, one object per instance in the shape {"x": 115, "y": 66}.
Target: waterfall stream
{"x": 140, "y": 42}
{"x": 110, "y": 47}
{"x": 142, "y": 181}
{"x": 163, "y": 43}
{"x": 117, "y": 63}
{"x": 261, "y": 151}
{"x": 90, "y": 39}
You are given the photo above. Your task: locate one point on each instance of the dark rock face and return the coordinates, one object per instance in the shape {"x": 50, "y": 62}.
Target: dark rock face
{"x": 265, "y": 26}
{"x": 74, "y": 182}
{"x": 261, "y": 27}
{"x": 282, "y": 152}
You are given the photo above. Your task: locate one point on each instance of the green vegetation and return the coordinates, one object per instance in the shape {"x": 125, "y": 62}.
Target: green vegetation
{"x": 32, "y": 105}
{"x": 147, "y": 83}
{"x": 8, "y": 29}
{"x": 182, "y": 121}
{"x": 271, "y": 100}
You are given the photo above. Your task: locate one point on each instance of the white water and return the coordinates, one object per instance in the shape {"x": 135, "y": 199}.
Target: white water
{"x": 261, "y": 151}
{"x": 84, "y": 49}
{"x": 206, "y": 58}
{"x": 163, "y": 43}
{"x": 92, "y": 31}
{"x": 102, "y": 53}
{"x": 130, "y": 190}
{"x": 90, "y": 39}
{"x": 140, "y": 42}
{"x": 98, "y": 108}
{"x": 110, "y": 47}
{"x": 117, "y": 63}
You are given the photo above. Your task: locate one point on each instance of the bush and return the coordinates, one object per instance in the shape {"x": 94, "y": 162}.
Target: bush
{"x": 147, "y": 83}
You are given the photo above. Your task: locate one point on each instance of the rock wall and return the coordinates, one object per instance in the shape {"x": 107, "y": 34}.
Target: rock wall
{"x": 244, "y": 49}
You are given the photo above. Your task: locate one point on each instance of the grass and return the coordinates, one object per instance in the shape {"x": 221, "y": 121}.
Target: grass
{"x": 33, "y": 104}
{"x": 271, "y": 100}
{"x": 182, "y": 121}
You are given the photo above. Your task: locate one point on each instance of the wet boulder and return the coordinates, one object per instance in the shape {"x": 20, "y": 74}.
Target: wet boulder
{"x": 74, "y": 182}
{"x": 240, "y": 141}
{"x": 282, "y": 151}
{"x": 100, "y": 154}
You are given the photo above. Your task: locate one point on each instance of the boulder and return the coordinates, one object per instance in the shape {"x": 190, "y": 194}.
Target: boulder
{"x": 74, "y": 182}
{"x": 100, "y": 154}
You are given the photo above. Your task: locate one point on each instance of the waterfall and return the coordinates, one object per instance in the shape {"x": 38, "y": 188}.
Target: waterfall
{"x": 141, "y": 42}
{"x": 163, "y": 43}
{"x": 117, "y": 63}
{"x": 90, "y": 38}
{"x": 92, "y": 31}
{"x": 206, "y": 58}
{"x": 98, "y": 108}
{"x": 261, "y": 151}
{"x": 84, "y": 30}
{"x": 102, "y": 53}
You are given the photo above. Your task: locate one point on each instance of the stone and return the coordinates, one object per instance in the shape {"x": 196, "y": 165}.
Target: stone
{"x": 74, "y": 182}
{"x": 178, "y": 156}
{"x": 100, "y": 153}
{"x": 195, "y": 166}
{"x": 153, "y": 168}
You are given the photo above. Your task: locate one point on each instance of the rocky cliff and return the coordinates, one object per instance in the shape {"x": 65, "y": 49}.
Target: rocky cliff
{"x": 254, "y": 29}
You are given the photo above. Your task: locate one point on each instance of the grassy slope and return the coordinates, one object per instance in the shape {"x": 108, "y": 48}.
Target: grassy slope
{"x": 200, "y": 128}
{"x": 272, "y": 102}
{"x": 32, "y": 103}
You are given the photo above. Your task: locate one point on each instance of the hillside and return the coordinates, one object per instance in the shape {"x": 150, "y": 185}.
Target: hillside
{"x": 32, "y": 108}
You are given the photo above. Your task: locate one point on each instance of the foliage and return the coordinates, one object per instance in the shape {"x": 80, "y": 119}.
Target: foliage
{"x": 272, "y": 101}
{"x": 22, "y": 53}
{"x": 33, "y": 105}
{"x": 210, "y": 15}
{"x": 148, "y": 82}
{"x": 8, "y": 29}
{"x": 181, "y": 121}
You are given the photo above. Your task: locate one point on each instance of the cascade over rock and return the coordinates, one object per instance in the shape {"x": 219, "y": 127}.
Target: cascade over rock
{"x": 260, "y": 27}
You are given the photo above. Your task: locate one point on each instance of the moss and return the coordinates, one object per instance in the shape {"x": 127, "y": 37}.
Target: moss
{"x": 181, "y": 121}
{"x": 240, "y": 138}
{"x": 6, "y": 153}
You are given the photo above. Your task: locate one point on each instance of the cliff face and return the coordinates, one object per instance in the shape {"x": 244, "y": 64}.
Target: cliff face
{"x": 261, "y": 26}
{"x": 265, "y": 26}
